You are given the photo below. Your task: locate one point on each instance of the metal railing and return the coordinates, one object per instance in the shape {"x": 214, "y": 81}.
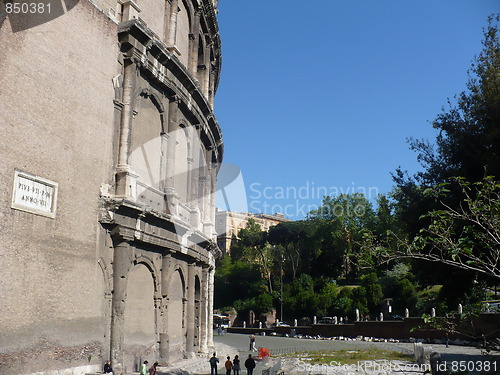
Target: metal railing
{"x": 296, "y": 349}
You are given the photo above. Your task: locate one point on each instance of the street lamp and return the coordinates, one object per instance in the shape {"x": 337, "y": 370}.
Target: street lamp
{"x": 281, "y": 287}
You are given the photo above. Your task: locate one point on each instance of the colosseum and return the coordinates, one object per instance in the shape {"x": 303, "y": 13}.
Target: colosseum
{"x": 110, "y": 151}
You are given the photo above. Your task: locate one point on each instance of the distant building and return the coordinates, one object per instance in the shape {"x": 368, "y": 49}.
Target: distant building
{"x": 228, "y": 224}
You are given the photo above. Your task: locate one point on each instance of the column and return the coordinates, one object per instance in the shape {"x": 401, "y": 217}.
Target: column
{"x": 173, "y": 127}
{"x": 125, "y": 178}
{"x": 122, "y": 260}
{"x": 210, "y": 338}
{"x": 211, "y": 92}
{"x": 213, "y": 189}
{"x": 206, "y": 77}
{"x": 194, "y": 41}
{"x": 164, "y": 346}
{"x": 207, "y": 195}
{"x": 190, "y": 310}
{"x": 195, "y": 178}
{"x": 205, "y": 327}
{"x": 172, "y": 24}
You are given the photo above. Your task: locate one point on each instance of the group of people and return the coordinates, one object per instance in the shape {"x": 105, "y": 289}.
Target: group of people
{"x": 143, "y": 371}
{"x": 233, "y": 365}
{"x": 148, "y": 371}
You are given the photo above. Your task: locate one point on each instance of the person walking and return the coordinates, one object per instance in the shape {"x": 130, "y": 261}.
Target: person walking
{"x": 252, "y": 343}
{"x": 213, "y": 365}
{"x": 250, "y": 364}
{"x": 144, "y": 368}
{"x": 152, "y": 369}
{"x": 236, "y": 365}
{"x": 228, "y": 365}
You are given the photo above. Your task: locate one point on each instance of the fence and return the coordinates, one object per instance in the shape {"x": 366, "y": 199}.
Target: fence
{"x": 296, "y": 349}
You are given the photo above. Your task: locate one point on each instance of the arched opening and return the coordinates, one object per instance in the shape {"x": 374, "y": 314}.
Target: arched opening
{"x": 139, "y": 318}
{"x": 197, "y": 313}
{"x": 201, "y": 67}
{"x": 183, "y": 30}
{"x": 176, "y": 312}
{"x": 146, "y": 150}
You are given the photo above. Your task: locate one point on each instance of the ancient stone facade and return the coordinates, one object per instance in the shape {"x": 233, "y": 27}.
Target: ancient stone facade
{"x": 110, "y": 151}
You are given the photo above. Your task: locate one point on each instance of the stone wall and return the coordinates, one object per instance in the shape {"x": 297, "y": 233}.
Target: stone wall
{"x": 96, "y": 107}
{"x": 56, "y": 86}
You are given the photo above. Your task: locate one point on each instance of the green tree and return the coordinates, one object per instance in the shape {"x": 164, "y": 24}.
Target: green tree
{"x": 468, "y": 141}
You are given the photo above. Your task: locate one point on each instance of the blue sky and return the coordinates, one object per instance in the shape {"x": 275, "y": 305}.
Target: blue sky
{"x": 320, "y": 96}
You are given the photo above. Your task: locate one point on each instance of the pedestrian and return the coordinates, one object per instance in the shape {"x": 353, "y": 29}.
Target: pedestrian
{"x": 252, "y": 343}
{"x": 228, "y": 365}
{"x": 213, "y": 365}
{"x": 250, "y": 364}
{"x": 236, "y": 365}
{"x": 219, "y": 330}
{"x": 152, "y": 369}
{"x": 107, "y": 368}
{"x": 144, "y": 368}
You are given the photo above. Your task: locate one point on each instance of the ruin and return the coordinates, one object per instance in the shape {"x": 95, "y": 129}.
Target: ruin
{"x": 110, "y": 151}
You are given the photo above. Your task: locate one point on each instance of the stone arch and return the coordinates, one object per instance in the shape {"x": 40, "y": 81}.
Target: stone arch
{"x": 176, "y": 312}
{"x": 149, "y": 263}
{"x": 197, "y": 311}
{"x": 201, "y": 68}
{"x": 184, "y": 21}
{"x": 146, "y": 143}
{"x": 140, "y": 326}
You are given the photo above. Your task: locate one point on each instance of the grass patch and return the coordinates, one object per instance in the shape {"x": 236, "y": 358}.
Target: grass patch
{"x": 349, "y": 357}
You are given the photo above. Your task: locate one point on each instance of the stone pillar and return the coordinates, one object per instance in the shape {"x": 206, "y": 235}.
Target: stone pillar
{"x": 213, "y": 204}
{"x": 205, "y": 327}
{"x": 206, "y": 77}
{"x": 195, "y": 179}
{"x": 207, "y": 196}
{"x": 164, "y": 346}
{"x": 172, "y": 24}
{"x": 163, "y": 161}
{"x": 190, "y": 314}
{"x": 211, "y": 87}
{"x": 173, "y": 127}
{"x": 125, "y": 178}
{"x": 210, "y": 308}
{"x": 194, "y": 44}
{"x": 122, "y": 260}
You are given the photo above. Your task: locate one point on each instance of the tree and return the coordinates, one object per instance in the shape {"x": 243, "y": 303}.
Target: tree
{"x": 468, "y": 141}
{"x": 252, "y": 247}
{"x": 466, "y": 236}
{"x": 238, "y": 280}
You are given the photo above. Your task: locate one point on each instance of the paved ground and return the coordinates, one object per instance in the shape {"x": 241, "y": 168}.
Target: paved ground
{"x": 231, "y": 344}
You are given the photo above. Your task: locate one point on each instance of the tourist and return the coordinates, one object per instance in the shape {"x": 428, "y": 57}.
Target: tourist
{"x": 250, "y": 364}
{"x": 107, "y": 368}
{"x": 152, "y": 369}
{"x": 144, "y": 368}
{"x": 228, "y": 365}
{"x": 213, "y": 365}
{"x": 252, "y": 343}
{"x": 236, "y": 365}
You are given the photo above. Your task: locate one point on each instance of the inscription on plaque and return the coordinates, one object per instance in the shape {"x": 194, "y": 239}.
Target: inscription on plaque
{"x": 34, "y": 194}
